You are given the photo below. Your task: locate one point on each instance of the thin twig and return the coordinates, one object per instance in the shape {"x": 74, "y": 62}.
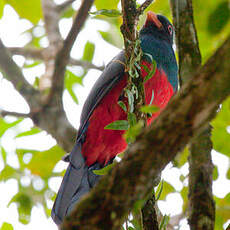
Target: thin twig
{"x": 27, "y": 52}
{"x": 143, "y": 6}
{"x": 39, "y": 54}
{"x": 4, "y": 113}
{"x": 85, "y": 64}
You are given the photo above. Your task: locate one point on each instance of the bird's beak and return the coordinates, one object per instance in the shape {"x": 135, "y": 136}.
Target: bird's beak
{"x": 152, "y": 17}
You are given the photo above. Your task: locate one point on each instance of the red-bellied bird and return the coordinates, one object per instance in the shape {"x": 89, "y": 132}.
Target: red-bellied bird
{"x": 95, "y": 146}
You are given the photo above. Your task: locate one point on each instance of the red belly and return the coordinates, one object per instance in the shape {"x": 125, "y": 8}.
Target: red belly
{"x": 101, "y": 144}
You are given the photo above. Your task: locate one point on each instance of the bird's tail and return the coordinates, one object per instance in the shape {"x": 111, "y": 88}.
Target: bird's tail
{"x": 78, "y": 180}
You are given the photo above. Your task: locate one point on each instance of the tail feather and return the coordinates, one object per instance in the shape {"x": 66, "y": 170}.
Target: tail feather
{"x": 78, "y": 180}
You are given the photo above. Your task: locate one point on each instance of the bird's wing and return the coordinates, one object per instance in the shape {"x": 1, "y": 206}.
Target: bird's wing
{"x": 112, "y": 73}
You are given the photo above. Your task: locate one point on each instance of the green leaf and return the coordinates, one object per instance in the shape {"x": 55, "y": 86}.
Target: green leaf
{"x": 24, "y": 205}
{"x": 105, "y": 170}
{"x": 149, "y": 109}
{"x": 228, "y": 174}
{"x": 133, "y": 132}
{"x": 33, "y": 131}
{"x": 132, "y": 119}
{"x": 112, "y": 36}
{"x": 150, "y": 72}
{"x": 166, "y": 189}
{"x": 2, "y": 5}
{"x": 42, "y": 163}
{"x": 220, "y": 136}
{"x": 88, "y": 51}
{"x": 118, "y": 125}
{"x": 5, "y": 125}
{"x": 7, "y": 173}
{"x": 218, "y": 19}
{"x": 35, "y": 63}
{"x": 102, "y": 4}
{"x": 3, "y": 153}
{"x": 108, "y": 13}
{"x": 215, "y": 173}
{"x": 159, "y": 190}
{"x": 6, "y": 226}
{"x": 69, "y": 13}
{"x": 122, "y": 105}
{"x": 181, "y": 158}
{"x": 29, "y": 9}
{"x": 164, "y": 222}
{"x": 70, "y": 80}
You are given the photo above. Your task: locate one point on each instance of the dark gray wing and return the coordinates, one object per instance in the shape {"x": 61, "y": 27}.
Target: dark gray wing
{"x": 112, "y": 73}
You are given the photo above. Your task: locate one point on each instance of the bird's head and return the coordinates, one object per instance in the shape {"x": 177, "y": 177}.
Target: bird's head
{"x": 159, "y": 26}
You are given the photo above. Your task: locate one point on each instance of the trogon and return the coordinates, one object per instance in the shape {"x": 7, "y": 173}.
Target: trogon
{"x": 95, "y": 146}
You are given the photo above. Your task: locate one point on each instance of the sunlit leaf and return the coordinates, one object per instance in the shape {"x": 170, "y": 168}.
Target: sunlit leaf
{"x": 149, "y": 109}
{"x": 112, "y": 36}
{"x": 88, "y": 51}
{"x": 118, "y": 125}
{"x": 42, "y": 163}
{"x": 220, "y": 135}
{"x": 24, "y": 205}
{"x": 69, "y": 13}
{"x": 3, "y": 153}
{"x": 181, "y": 158}
{"x": 70, "y": 80}
{"x": 6, "y": 226}
{"x": 167, "y": 188}
{"x": 30, "y": 10}
{"x": 33, "y": 131}
{"x": 5, "y": 125}
{"x": 102, "y": 4}
{"x": 2, "y": 5}
{"x": 104, "y": 170}
{"x": 7, "y": 173}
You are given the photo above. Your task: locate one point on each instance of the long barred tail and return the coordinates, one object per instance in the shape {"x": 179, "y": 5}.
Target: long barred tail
{"x": 78, "y": 181}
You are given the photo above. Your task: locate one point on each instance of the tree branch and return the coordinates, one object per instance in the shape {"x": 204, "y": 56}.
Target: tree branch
{"x": 63, "y": 55}
{"x": 143, "y": 6}
{"x": 27, "y": 52}
{"x": 51, "y": 19}
{"x": 14, "y": 75}
{"x": 40, "y": 54}
{"x": 189, "y": 111}
{"x": 4, "y": 113}
{"x": 201, "y": 203}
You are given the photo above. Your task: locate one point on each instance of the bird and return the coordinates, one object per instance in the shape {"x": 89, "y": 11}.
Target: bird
{"x": 96, "y": 147}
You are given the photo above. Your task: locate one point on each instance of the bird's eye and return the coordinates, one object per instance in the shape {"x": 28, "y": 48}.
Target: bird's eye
{"x": 170, "y": 29}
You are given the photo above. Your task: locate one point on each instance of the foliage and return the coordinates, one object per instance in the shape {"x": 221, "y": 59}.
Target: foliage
{"x": 212, "y": 21}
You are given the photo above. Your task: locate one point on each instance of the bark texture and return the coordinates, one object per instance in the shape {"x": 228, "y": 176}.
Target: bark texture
{"x": 189, "y": 61}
